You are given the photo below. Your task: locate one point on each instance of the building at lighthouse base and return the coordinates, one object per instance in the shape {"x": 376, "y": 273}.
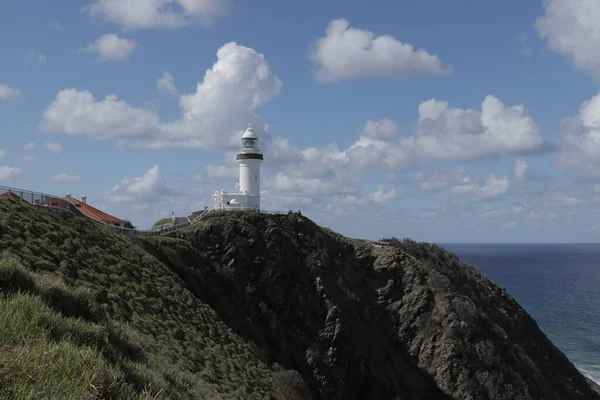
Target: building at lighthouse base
{"x": 237, "y": 200}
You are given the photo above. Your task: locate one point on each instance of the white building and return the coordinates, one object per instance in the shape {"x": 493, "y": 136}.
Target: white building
{"x": 247, "y": 192}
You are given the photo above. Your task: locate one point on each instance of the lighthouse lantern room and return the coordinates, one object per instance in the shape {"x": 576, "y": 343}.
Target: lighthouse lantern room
{"x": 247, "y": 192}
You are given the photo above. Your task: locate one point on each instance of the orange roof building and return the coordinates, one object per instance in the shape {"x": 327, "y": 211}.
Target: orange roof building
{"x": 64, "y": 202}
{"x": 10, "y": 195}
{"x": 94, "y": 213}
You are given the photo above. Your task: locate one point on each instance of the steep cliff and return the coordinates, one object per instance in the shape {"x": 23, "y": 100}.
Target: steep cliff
{"x": 406, "y": 320}
{"x": 245, "y": 305}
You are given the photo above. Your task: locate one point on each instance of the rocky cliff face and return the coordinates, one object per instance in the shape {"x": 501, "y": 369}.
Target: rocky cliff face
{"x": 402, "y": 321}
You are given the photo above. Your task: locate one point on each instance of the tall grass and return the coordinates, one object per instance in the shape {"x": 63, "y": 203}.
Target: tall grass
{"x": 85, "y": 313}
{"x": 44, "y": 354}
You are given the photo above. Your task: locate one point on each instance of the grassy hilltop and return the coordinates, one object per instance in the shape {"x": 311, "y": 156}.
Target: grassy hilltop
{"x": 85, "y": 313}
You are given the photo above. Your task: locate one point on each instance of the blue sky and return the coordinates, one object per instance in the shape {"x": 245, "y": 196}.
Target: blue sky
{"x": 441, "y": 121}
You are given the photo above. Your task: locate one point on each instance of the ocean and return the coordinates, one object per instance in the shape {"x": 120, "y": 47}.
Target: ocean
{"x": 557, "y": 284}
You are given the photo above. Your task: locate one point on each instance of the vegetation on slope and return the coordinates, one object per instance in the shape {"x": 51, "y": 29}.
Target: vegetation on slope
{"x": 85, "y": 313}
{"x": 55, "y": 340}
{"x": 163, "y": 221}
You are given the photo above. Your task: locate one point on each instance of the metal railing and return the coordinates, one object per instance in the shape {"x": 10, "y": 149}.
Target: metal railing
{"x": 157, "y": 232}
{"x": 202, "y": 214}
{"x": 249, "y": 209}
{"x": 232, "y": 208}
{"x": 49, "y": 202}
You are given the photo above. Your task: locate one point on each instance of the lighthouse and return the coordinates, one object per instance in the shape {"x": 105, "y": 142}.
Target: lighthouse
{"x": 247, "y": 191}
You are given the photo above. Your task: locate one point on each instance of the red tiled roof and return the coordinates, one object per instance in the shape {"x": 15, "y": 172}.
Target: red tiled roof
{"x": 94, "y": 213}
{"x": 11, "y": 195}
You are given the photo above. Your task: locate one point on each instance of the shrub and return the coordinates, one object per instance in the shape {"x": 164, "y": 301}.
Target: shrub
{"x": 289, "y": 385}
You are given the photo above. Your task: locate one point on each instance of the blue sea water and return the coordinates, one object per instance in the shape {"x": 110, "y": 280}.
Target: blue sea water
{"x": 557, "y": 284}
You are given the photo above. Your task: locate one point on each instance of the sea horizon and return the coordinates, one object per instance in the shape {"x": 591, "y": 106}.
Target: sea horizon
{"x": 517, "y": 243}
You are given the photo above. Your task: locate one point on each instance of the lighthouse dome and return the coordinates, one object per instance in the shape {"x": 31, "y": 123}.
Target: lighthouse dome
{"x": 249, "y": 134}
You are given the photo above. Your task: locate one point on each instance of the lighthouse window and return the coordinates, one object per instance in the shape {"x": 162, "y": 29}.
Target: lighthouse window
{"x": 249, "y": 143}
{"x": 255, "y": 177}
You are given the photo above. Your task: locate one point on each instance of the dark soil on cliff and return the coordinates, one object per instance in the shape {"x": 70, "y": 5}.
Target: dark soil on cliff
{"x": 401, "y": 321}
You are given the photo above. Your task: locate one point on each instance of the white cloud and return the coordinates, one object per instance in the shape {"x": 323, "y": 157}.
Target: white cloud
{"x": 110, "y": 47}
{"x": 148, "y": 188}
{"x": 438, "y": 181}
{"x": 312, "y": 163}
{"x": 144, "y": 14}
{"x": 8, "y": 173}
{"x": 41, "y": 59}
{"x": 166, "y": 83}
{"x": 280, "y": 152}
{"x": 379, "y": 197}
{"x": 294, "y": 185}
{"x": 216, "y": 173}
{"x": 441, "y": 133}
{"x": 385, "y": 128}
{"x": 57, "y": 26}
{"x": 460, "y": 134}
{"x": 213, "y": 117}
{"x": 365, "y": 154}
{"x": 488, "y": 212}
{"x": 476, "y": 189}
{"x": 347, "y": 53}
{"x": 580, "y": 144}
{"x": 572, "y": 28}
{"x": 77, "y": 112}
{"x": 2, "y": 154}
{"x": 8, "y": 93}
{"x": 63, "y": 177}
{"x": 278, "y": 202}
{"x": 520, "y": 169}
{"x": 54, "y": 147}
{"x": 29, "y": 146}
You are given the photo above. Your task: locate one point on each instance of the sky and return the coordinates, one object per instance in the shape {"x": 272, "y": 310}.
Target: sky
{"x": 434, "y": 120}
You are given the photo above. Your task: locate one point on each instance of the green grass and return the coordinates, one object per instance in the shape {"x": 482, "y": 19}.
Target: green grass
{"x": 163, "y": 221}
{"x": 86, "y": 313}
{"x": 44, "y": 354}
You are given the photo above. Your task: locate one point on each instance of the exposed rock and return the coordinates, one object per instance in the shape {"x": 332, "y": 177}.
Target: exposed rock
{"x": 403, "y": 321}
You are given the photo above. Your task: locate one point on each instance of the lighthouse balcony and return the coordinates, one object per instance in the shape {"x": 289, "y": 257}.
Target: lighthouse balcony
{"x": 249, "y": 156}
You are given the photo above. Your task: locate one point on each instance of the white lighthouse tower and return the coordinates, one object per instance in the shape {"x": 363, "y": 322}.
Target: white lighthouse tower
{"x": 249, "y": 159}
{"x": 247, "y": 191}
